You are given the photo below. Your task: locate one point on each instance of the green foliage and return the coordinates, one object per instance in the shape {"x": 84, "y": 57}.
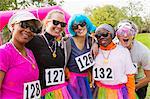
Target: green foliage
{"x": 7, "y": 5}
{"x": 108, "y": 14}
{"x": 144, "y": 38}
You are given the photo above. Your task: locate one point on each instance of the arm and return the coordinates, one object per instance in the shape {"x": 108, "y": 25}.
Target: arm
{"x": 2, "y": 74}
{"x": 143, "y": 82}
{"x": 131, "y": 86}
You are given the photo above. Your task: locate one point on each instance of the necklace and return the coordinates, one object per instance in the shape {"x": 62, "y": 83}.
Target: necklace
{"x": 50, "y": 47}
{"x": 29, "y": 59}
{"x": 106, "y": 57}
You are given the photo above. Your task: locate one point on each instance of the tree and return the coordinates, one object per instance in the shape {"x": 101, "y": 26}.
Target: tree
{"x": 107, "y": 14}
{"x": 22, "y": 4}
{"x": 133, "y": 10}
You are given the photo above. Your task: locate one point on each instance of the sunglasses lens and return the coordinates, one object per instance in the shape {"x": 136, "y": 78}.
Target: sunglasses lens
{"x": 63, "y": 24}
{"x": 55, "y": 22}
{"x": 105, "y": 35}
{"x": 75, "y": 26}
{"x": 25, "y": 24}
{"x": 99, "y": 35}
{"x": 82, "y": 24}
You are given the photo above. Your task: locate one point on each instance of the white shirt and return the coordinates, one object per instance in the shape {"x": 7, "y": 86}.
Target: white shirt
{"x": 140, "y": 55}
{"x": 120, "y": 62}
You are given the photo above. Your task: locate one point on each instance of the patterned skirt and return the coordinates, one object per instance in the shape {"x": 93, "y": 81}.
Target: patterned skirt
{"x": 112, "y": 91}
{"x": 78, "y": 86}
{"x": 56, "y": 92}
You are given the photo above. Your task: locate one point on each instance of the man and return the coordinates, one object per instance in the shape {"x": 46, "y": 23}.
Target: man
{"x": 140, "y": 54}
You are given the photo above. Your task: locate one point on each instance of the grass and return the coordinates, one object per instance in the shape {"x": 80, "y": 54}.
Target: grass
{"x": 145, "y": 39}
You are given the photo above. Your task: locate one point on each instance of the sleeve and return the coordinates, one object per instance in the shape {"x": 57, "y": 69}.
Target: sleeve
{"x": 130, "y": 68}
{"x": 33, "y": 43}
{"x": 131, "y": 86}
{"x": 4, "y": 62}
{"x": 145, "y": 59}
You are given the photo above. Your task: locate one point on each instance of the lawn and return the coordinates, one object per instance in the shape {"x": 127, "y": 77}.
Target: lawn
{"x": 145, "y": 39}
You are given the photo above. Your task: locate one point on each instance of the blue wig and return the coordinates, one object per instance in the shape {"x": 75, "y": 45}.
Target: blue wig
{"x": 78, "y": 18}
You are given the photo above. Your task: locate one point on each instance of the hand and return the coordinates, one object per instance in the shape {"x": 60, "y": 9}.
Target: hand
{"x": 94, "y": 50}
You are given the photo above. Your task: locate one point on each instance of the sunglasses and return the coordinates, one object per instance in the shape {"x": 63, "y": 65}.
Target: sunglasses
{"x": 123, "y": 32}
{"x": 75, "y": 26}
{"x": 99, "y": 35}
{"x": 33, "y": 28}
{"x": 62, "y": 24}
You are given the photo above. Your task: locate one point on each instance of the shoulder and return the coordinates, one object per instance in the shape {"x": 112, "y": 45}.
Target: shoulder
{"x": 34, "y": 42}
{"x": 122, "y": 49}
{"x": 139, "y": 47}
{"x": 6, "y": 48}
{"x": 6, "y": 52}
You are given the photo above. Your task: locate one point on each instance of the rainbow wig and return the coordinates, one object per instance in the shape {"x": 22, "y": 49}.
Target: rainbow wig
{"x": 78, "y": 18}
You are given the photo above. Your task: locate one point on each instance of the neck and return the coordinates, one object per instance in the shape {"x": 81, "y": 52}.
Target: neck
{"x": 80, "y": 38}
{"x": 79, "y": 41}
{"x": 20, "y": 47}
{"x": 109, "y": 47}
{"x": 130, "y": 46}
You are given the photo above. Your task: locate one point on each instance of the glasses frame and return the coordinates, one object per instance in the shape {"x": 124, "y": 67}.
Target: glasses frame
{"x": 76, "y": 26}
{"x": 56, "y": 22}
{"x": 99, "y": 35}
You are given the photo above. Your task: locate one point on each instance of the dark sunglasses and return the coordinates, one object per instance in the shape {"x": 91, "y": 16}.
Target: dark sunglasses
{"x": 62, "y": 24}
{"x": 33, "y": 28}
{"x": 75, "y": 26}
{"x": 99, "y": 35}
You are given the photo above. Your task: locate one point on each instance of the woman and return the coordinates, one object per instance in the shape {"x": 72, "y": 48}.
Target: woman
{"x": 18, "y": 68}
{"x": 80, "y": 28}
{"x": 140, "y": 54}
{"x": 50, "y": 55}
{"x": 113, "y": 71}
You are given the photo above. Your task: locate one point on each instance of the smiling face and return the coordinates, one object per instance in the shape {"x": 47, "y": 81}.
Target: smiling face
{"x": 104, "y": 37}
{"x": 21, "y": 34}
{"x": 80, "y": 28}
{"x": 126, "y": 36}
{"x": 55, "y": 25}
{"x": 125, "y": 40}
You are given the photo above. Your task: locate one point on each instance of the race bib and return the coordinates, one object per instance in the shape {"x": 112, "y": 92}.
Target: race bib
{"x": 32, "y": 90}
{"x": 136, "y": 67}
{"x": 103, "y": 73}
{"x": 54, "y": 76}
{"x": 84, "y": 61}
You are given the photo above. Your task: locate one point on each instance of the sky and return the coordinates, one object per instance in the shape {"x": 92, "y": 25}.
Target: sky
{"x": 77, "y": 6}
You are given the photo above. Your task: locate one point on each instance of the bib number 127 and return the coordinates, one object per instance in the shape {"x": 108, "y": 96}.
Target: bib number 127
{"x": 54, "y": 76}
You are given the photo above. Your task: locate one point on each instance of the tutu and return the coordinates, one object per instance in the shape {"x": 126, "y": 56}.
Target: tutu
{"x": 112, "y": 91}
{"x": 79, "y": 87}
{"x": 56, "y": 92}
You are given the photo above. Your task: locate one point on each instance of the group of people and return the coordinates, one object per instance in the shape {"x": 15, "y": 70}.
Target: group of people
{"x": 39, "y": 62}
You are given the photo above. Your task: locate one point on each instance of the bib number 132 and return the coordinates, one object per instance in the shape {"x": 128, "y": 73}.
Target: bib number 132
{"x": 54, "y": 76}
{"x": 84, "y": 61}
{"x": 32, "y": 90}
{"x": 103, "y": 73}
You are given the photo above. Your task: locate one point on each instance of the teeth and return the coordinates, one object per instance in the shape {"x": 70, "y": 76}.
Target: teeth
{"x": 125, "y": 40}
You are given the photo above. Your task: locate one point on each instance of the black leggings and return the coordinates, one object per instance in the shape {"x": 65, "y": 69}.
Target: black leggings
{"x": 142, "y": 92}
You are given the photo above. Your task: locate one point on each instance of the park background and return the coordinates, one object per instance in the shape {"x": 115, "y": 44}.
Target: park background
{"x": 99, "y": 11}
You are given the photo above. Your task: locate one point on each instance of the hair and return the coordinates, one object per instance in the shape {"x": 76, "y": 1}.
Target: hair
{"x": 77, "y": 18}
{"x": 49, "y": 15}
